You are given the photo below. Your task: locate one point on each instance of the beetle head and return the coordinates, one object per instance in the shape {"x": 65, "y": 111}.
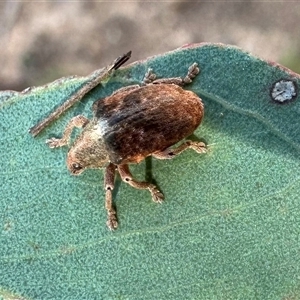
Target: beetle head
{"x": 88, "y": 151}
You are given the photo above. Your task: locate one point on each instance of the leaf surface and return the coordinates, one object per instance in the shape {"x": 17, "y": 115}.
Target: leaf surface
{"x": 230, "y": 224}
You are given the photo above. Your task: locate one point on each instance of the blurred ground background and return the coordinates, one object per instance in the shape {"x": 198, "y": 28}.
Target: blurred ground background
{"x": 42, "y": 41}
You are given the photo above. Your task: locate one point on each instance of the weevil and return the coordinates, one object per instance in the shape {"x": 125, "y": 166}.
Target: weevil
{"x": 131, "y": 124}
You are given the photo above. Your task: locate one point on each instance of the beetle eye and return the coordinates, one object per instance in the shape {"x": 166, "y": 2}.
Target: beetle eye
{"x": 76, "y": 166}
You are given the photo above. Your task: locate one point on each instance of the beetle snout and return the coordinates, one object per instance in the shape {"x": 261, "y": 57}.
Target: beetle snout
{"x": 74, "y": 166}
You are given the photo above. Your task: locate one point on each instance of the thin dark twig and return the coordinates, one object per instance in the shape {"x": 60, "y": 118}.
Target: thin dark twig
{"x": 36, "y": 129}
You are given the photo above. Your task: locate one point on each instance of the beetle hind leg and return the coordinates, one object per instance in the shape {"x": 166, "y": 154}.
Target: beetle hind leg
{"x": 169, "y": 153}
{"x": 126, "y": 176}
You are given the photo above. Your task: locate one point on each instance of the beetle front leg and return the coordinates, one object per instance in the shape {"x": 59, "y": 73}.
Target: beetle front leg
{"x": 109, "y": 182}
{"x": 169, "y": 153}
{"x": 126, "y": 176}
{"x": 78, "y": 121}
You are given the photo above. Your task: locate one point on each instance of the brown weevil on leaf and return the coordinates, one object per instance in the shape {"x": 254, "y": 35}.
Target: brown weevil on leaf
{"x": 131, "y": 124}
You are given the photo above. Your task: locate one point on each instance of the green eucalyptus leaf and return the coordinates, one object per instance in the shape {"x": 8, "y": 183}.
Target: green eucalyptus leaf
{"x": 230, "y": 223}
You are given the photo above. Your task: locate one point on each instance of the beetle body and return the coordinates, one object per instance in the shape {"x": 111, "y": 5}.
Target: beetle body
{"x": 151, "y": 118}
{"x": 131, "y": 124}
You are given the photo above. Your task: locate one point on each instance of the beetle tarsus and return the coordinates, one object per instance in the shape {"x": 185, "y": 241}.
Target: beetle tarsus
{"x": 149, "y": 76}
{"x": 193, "y": 71}
{"x": 112, "y": 222}
{"x": 170, "y": 153}
{"x": 156, "y": 194}
{"x": 55, "y": 143}
{"x": 199, "y": 147}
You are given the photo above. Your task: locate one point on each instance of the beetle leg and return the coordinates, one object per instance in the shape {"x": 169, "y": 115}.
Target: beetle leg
{"x": 193, "y": 71}
{"x": 149, "y": 76}
{"x": 169, "y": 153}
{"x": 78, "y": 121}
{"x": 126, "y": 176}
{"x": 109, "y": 179}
